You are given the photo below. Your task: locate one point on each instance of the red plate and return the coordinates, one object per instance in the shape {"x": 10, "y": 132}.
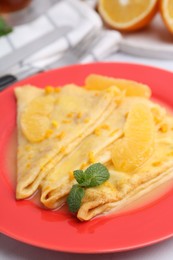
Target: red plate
{"x": 26, "y": 222}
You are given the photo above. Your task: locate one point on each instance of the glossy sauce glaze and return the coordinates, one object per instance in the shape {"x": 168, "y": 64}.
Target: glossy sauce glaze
{"x": 152, "y": 196}
{"x": 11, "y": 162}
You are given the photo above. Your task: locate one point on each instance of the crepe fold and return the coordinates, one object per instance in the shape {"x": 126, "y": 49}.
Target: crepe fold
{"x": 76, "y": 112}
{"x": 58, "y": 182}
{"x": 122, "y": 189}
{"x": 104, "y": 200}
{"x": 70, "y": 128}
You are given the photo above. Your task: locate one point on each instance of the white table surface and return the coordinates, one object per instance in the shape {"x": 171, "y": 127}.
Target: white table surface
{"x": 14, "y": 250}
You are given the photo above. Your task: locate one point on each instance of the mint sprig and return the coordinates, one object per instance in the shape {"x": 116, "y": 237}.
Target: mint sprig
{"x": 94, "y": 175}
{"x": 79, "y": 176}
{"x": 4, "y": 27}
{"x": 75, "y": 197}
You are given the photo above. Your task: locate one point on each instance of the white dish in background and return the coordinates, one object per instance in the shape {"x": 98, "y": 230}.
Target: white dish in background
{"x": 153, "y": 42}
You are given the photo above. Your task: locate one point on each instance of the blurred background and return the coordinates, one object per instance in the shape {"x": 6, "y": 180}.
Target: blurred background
{"x": 39, "y": 35}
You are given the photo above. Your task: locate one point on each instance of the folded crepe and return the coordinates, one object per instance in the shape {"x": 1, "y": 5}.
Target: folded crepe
{"x": 57, "y": 184}
{"x": 96, "y": 147}
{"x": 51, "y": 123}
{"x": 65, "y": 129}
{"x": 125, "y": 187}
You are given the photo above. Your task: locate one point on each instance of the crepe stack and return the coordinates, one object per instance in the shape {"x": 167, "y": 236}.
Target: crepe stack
{"x": 111, "y": 121}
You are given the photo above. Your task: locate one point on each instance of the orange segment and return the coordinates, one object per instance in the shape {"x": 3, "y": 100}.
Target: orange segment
{"x": 140, "y": 124}
{"x": 136, "y": 147}
{"x": 166, "y": 10}
{"x": 131, "y": 88}
{"x": 127, "y": 15}
{"x": 35, "y": 120}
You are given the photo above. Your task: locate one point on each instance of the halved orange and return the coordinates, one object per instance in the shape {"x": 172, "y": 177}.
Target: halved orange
{"x": 166, "y": 10}
{"x": 127, "y": 15}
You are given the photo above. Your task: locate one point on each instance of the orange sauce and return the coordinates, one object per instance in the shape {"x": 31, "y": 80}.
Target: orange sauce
{"x": 148, "y": 198}
{"x": 11, "y": 159}
{"x": 11, "y": 165}
{"x": 11, "y": 162}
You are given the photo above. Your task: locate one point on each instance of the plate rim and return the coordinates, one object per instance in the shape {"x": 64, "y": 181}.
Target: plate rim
{"x": 38, "y": 244}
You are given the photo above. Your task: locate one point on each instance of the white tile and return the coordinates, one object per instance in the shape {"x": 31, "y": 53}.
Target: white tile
{"x": 25, "y": 34}
{"x": 5, "y": 47}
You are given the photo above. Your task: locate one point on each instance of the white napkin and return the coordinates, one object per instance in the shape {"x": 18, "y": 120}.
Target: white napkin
{"x": 84, "y": 22}
{"x": 91, "y": 3}
{"x": 106, "y": 43}
{"x": 71, "y": 12}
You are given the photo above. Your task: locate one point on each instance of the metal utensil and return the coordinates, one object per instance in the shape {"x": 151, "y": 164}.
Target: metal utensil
{"x": 103, "y": 44}
{"x": 30, "y": 69}
{"x": 96, "y": 46}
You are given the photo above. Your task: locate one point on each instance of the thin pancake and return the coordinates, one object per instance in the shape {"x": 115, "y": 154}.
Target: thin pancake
{"x": 123, "y": 188}
{"x": 71, "y": 110}
{"x": 58, "y": 182}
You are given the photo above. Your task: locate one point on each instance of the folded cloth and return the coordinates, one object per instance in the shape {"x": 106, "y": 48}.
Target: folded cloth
{"x": 84, "y": 20}
{"x": 91, "y": 3}
{"x": 71, "y": 13}
{"x": 85, "y": 23}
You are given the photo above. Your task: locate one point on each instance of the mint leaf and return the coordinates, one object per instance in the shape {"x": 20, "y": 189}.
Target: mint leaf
{"x": 95, "y": 175}
{"x": 4, "y": 27}
{"x": 79, "y": 176}
{"x": 75, "y": 197}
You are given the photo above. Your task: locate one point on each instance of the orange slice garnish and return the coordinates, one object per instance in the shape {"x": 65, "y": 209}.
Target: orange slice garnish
{"x": 166, "y": 10}
{"x": 127, "y": 15}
